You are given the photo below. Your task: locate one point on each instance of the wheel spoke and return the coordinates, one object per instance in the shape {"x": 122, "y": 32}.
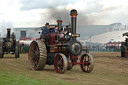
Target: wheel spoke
{"x": 35, "y": 65}
{"x": 86, "y": 68}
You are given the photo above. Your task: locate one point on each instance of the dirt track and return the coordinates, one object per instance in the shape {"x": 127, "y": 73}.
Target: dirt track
{"x": 109, "y": 69}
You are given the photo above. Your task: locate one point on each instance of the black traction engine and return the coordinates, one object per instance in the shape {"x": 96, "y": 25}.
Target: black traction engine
{"x": 9, "y": 45}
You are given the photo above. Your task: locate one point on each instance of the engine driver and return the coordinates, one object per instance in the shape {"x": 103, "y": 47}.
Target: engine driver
{"x": 45, "y": 29}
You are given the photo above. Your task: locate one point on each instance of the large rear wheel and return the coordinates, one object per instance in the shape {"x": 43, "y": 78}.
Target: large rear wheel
{"x": 17, "y": 50}
{"x": 86, "y": 63}
{"x": 1, "y": 52}
{"x": 60, "y": 63}
{"x": 37, "y": 55}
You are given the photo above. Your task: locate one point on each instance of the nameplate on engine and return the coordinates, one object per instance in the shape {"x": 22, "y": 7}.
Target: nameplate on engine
{"x": 75, "y": 35}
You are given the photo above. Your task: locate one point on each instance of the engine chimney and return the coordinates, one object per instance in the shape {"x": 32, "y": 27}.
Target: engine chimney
{"x": 73, "y": 14}
{"x": 8, "y": 33}
{"x": 59, "y": 23}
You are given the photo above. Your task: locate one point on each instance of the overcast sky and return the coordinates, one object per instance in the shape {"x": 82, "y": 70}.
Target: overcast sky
{"x": 29, "y": 13}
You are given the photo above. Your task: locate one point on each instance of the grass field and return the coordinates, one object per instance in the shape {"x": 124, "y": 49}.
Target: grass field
{"x": 109, "y": 69}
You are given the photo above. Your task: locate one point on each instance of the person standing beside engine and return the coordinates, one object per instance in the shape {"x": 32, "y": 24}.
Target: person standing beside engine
{"x": 13, "y": 35}
{"x": 45, "y": 29}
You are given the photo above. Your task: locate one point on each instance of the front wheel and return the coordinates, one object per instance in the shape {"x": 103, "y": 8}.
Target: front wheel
{"x": 86, "y": 63}
{"x": 1, "y": 52}
{"x": 17, "y": 50}
{"x": 60, "y": 63}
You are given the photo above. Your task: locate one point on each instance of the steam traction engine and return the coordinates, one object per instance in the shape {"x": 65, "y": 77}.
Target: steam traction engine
{"x": 124, "y": 46}
{"x": 9, "y": 45}
{"x": 60, "y": 49}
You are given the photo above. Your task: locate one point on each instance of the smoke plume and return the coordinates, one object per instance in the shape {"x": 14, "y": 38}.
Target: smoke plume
{"x": 3, "y": 28}
{"x": 55, "y": 14}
